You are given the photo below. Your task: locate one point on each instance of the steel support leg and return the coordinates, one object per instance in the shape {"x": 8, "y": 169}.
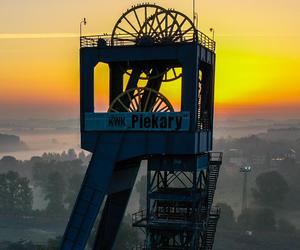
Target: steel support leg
{"x": 113, "y": 213}
{"x": 93, "y": 190}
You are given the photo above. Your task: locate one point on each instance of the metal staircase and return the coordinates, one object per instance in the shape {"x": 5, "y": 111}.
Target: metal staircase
{"x": 180, "y": 216}
{"x": 215, "y": 162}
{"x": 209, "y": 236}
{"x": 212, "y": 213}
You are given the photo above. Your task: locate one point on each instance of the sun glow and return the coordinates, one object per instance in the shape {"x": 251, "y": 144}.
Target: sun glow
{"x": 258, "y": 54}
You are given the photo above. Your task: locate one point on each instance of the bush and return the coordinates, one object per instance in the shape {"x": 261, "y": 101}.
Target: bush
{"x": 257, "y": 219}
{"x": 271, "y": 189}
{"x": 227, "y": 219}
{"x": 284, "y": 226}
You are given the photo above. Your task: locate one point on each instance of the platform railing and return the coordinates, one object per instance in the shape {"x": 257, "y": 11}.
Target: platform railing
{"x": 180, "y": 216}
{"x": 215, "y": 157}
{"x": 215, "y": 211}
{"x": 166, "y": 217}
{"x": 139, "y": 216}
{"x": 125, "y": 40}
{"x": 139, "y": 247}
{"x": 206, "y": 41}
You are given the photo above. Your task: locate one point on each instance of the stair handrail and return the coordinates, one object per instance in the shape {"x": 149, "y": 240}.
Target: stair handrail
{"x": 216, "y": 156}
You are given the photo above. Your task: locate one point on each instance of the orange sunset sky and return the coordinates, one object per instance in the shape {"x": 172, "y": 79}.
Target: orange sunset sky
{"x": 258, "y": 54}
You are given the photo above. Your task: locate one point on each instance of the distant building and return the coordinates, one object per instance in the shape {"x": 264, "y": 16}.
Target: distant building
{"x": 282, "y": 160}
{"x": 291, "y": 154}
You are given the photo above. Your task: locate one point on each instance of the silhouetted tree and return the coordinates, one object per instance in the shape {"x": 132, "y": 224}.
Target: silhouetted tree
{"x": 141, "y": 188}
{"x": 15, "y": 194}
{"x": 284, "y": 226}
{"x": 74, "y": 184}
{"x": 82, "y": 156}
{"x": 41, "y": 170}
{"x": 54, "y": 190}
{"x": 271, "y": 189}
{"x": 72, "y": 155}
{"x": 227, "y": 219}
{"x": 257, "y": 219}
{"x": 21, "y": 245}
{"x": 53, "y": 244}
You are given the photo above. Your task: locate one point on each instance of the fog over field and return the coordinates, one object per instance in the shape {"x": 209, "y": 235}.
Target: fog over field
{"x": 40, "y": 135}
{"x": 45, "y": 157}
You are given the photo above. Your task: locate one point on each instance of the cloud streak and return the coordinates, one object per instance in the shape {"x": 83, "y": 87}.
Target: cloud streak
{"x": 38, "y": 35}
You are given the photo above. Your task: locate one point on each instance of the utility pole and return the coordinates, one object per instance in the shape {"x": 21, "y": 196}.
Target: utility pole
{"x": 83, "y": 22}
{"x": 212, "y": 30}
{"x": 246, "y": 170}
{"x": 194, "y": 12}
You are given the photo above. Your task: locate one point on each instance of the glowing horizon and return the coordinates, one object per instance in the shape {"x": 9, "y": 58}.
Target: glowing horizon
{"x": 258, "y": 54}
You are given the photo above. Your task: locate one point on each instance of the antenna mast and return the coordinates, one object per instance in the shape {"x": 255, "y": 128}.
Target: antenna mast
{"x": 195, "y": 15}
{"x": 194, "y": 11}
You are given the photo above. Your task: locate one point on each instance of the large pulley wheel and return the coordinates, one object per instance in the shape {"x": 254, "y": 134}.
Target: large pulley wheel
{"x": 141, "y": 100}
{"x": 148, "y": 24}
{"x": 167, "y": 26}
{"x": 131, "y": 22}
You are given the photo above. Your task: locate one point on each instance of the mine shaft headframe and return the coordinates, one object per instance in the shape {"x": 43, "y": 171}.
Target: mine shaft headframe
{"x": 149, "y": 24}
{"x": 152, "y": 44}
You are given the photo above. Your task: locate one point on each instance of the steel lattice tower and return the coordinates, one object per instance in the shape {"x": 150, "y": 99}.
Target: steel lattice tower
{"x": 179, "y": 212}
{"x": 150, "y": 47}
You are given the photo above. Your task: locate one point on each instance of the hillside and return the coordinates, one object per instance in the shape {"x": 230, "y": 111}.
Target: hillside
{"x": 9, "y": 143}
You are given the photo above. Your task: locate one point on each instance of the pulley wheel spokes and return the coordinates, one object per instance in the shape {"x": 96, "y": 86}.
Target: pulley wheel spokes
{"x": 141, "y": 100}
{"x": 186, "y": 30}
{"x": 149, "y": 24}
{"x": 159, "y": 28}
{"x": 168, "y": 26}
{"x": 130, "y": 23}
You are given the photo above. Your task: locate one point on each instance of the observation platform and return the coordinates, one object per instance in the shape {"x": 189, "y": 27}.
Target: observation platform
{"x": 94, "y": 41}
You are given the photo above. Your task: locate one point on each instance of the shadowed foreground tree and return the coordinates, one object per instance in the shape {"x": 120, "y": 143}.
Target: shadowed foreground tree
{"x": 74, "y": 184}
{"x": 284, "y": 226}
{"x": 141, "y": 188}
{"x": 271, "y": 189}
{"x": 42, "y": 170}
{"x": 54, "y": 193}
{"x": 257, "y": 219}
{"x": 53, "y": 244}
{"x": 59, "y": 181}
{"x": 15, "y": 194}
{"x": 22, "y": 245}
{"x": 227, "y": 220}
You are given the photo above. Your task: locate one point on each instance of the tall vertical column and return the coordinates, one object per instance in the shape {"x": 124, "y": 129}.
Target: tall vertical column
{"x": 116, "y": 81}
{"x": 190, "y": 75}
